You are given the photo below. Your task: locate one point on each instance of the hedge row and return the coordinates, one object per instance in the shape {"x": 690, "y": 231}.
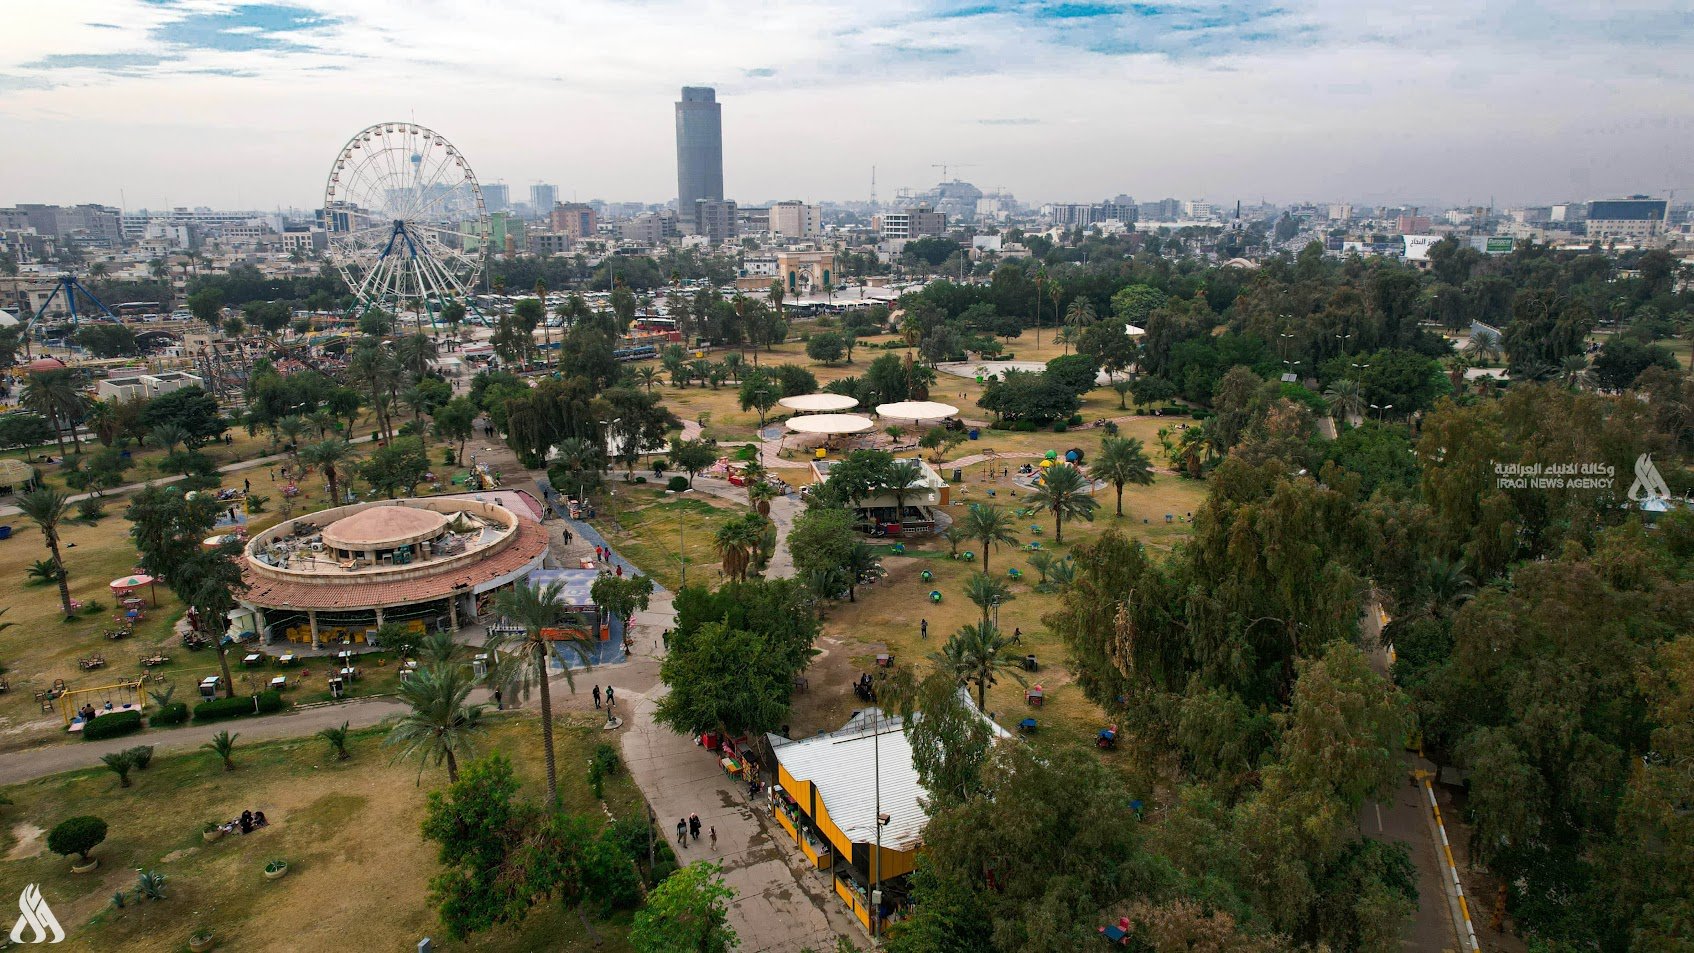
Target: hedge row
{"x": 114, "y": 725}
{"x": 219, "y": 708}
{"x": 173, "y": 714}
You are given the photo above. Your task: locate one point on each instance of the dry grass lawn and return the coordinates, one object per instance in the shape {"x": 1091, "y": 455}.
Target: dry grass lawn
{"x": 358, "y": 867}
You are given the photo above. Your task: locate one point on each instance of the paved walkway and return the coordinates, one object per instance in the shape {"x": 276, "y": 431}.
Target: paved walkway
{"x": 781, "y": 905}
{"x": 1405, "y": 819}
{"x": 40, "y": 762}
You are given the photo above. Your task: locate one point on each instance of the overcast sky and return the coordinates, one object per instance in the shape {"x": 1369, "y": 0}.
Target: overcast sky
{"x": 201, "y": 102}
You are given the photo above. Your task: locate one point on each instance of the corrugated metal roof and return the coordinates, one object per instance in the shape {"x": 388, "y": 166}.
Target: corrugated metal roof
{"x": 844, "y": 766}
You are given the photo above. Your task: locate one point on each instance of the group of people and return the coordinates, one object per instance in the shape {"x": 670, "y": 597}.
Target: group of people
{"x": 689, "y": 826}
{"x": 88, "y": 712}
{"x": 865, "y": 688}
{"x": 611, "y": 700}
{"x": 247, "y": 823}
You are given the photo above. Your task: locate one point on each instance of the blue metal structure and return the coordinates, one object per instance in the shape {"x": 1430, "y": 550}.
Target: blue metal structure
{"x": 70, "y": 287}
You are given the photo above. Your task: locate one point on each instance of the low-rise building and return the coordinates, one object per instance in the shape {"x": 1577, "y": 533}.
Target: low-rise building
{"x": 144, "y": 386}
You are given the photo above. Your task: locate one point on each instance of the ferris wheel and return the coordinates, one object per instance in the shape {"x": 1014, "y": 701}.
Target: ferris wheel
{"x": 405, "y": 219}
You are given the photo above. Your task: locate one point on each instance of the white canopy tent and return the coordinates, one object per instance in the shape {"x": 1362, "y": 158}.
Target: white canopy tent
{"x": 916, "y": 410}
{"x": 831, "y": 425}
{"x": 819, "y": 403}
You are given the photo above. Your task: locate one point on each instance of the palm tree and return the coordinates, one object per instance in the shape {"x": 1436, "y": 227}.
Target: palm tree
{"x": 322, "y": 421}
{"x": 732, "y": 364}
{"x": 1064, "y": 492}
{"x": 776, "y": 295}
{"x": 976, "y": 654}
{"x": 761, "y": 494}
{"x": 987, "y": 592}
{"x": 1446, "y": 585}
{"x": 1079, "y": 316}
{"x": 537, "y": 608}
{"x": 223, "y": 745}
{"x": 290, "y": 428}
{"x": 1482, "y": 349}
{"x": 336, "y": 738}
{"x": 328, "y": 455}
{"x": 168, "y": 437}
{"x": 989, "y": 524}
{"x": 1042, "y": 562}
{"x": 1122, "y": 460}
{"x": 546, "y": 332}
{"x": 1573, "y": 373}
{"x": 901, "y": 475}
{"x": 440, "y": 727}
{"x": 736, "y": 542}
{"x": 1040, "y": 281}
{"x": 103, "y": 419}
{"x": 954, "y": 534}
{"x": 415, "y": 351}
{"x": 1348, "y": 399}
{"x": 647, "y": 375}
{"x": 54, "y": 395}
{"x": 46, "y": 508}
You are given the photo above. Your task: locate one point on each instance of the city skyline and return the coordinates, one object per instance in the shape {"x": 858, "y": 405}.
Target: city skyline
{"x": 1052, "y": 102}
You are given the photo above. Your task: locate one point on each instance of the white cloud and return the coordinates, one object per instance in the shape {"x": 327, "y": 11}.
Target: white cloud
{"x": 1222, "y": 100}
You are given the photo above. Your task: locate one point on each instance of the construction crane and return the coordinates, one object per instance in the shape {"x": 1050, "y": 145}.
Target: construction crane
{"x": 944, "y": 166}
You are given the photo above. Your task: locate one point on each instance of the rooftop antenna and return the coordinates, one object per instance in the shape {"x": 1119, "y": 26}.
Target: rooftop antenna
{"x": 873, "y": 188}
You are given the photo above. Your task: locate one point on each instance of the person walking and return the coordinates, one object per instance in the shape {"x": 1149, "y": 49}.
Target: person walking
{"x": 609, "y": 701}
{"x": 246, "y": 485}
{"x": 923, "y": 628}
{"x": 596, "y": 696}
{"x": 714, "y": 838}
{"x": 682, "y": 832}
{"x": 694, "y": 825}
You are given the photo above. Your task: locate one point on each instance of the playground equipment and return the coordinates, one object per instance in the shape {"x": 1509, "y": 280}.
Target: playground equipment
{"x": 926, "y": 575}
{"x": 935, "y": 595}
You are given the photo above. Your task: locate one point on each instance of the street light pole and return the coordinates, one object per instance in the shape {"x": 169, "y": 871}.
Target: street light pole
{"x": 876, "y": 859}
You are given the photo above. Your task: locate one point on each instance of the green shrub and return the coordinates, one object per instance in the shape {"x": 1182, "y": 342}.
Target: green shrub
{"x": 1060, "y": 427}
{"x": 677, "y": 484}
{"x": 1025, "y": 426}
{"x": 641, "y": 479}
{"x": 143, "y": 755}
{"x": 174, "y": 713}
{"x": 220, "y": 708}
{"x": 115, "y": 725}
{"x": 1076, "y": 420}
{"x": 77, "y": 835}
{"x": 90, "y": 510}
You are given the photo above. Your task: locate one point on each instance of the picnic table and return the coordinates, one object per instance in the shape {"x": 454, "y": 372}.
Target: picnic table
{"x": 251, "y": 659}
{"x": 92, "y": 662}
{"x": 1027, "y": 726}
{"x": 286, "y": 659}
{"x": 350, "y": 673}
{"x": 153, "y": 660}
{"x": 885, "y": 661}
{"x": 1034, "y": 696}
{"x": 280, "y": 682}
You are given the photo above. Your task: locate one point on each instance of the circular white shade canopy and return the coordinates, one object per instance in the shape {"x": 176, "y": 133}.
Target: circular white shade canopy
{"x": 917, "y": 410}
{"x": 819, "y": 403}
{"x": 830, "y": 424}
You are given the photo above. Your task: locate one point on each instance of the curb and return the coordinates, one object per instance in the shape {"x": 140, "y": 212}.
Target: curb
{"x": 1469, "y": 932}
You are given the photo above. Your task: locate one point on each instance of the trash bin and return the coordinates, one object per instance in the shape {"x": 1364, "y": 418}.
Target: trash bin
{"x": 974, "y": 433}
{"x": 958, "y": 475}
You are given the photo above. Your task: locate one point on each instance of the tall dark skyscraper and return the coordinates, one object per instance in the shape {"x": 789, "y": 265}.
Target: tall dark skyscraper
{"x": 699, "y": 149}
